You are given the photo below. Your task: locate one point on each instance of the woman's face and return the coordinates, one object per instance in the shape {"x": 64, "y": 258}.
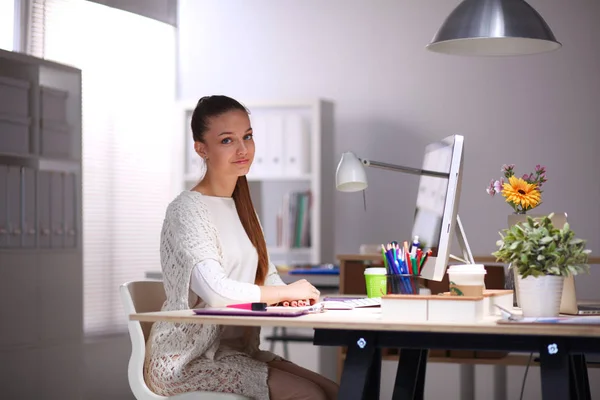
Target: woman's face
{"x": 228, "y": 146}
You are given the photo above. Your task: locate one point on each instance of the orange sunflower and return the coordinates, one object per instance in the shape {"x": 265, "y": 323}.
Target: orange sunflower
{"x": 519, "y": 192}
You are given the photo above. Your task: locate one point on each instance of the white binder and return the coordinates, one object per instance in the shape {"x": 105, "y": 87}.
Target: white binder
{"x": 259, "y": 129}
{"x": 296, "y": 146}
{"x": 274, "y": 165}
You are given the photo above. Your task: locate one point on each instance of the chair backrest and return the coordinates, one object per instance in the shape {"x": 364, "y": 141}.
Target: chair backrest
{"x": 146, "y": 296}
{"x": 140, "y": 296}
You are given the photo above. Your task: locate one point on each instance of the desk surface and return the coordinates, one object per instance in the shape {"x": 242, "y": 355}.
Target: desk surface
{"x": 369, "y": 319}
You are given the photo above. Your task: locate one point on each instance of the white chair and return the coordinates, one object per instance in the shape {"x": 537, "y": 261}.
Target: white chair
{"x": 148, "y": 296}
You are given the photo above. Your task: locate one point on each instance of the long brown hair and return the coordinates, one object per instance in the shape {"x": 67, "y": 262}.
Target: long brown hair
{"x": 213, "y": 106}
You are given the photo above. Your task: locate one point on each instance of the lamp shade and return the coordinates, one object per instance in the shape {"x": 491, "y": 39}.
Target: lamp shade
{"x": 493, "y": 28}
{"x": 350, "y": 175}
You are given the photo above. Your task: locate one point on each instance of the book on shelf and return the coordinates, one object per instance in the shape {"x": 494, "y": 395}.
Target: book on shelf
{"x": 294, "y": 219}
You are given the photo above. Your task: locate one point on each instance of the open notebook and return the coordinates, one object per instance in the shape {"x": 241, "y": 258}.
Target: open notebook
{"x": 337, "y": 303}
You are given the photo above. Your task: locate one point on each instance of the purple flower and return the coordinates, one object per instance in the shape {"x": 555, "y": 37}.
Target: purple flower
{"x": 507, "y": 167}
{"x": 490, "y": 189}
{"x": 526, "y": 177}
{"x": 541, "y": 180}
{"x": 540, "y": 169}
{"x": 498, "y": 186}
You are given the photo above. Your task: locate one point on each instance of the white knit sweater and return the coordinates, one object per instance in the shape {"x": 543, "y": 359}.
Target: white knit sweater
{"x": 191, "y": 357}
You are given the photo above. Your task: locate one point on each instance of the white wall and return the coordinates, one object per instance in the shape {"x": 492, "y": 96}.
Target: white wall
{"x": 392, "y": 97}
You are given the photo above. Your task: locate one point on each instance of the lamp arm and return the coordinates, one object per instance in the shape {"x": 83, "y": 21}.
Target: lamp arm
{"x": 400, "y": 168}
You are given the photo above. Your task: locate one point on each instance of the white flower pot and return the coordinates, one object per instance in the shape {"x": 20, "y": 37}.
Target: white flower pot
{"x": 540, "y": 297}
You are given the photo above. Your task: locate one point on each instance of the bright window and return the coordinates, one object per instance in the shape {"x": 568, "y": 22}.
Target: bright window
{"x": 128, "y": 90}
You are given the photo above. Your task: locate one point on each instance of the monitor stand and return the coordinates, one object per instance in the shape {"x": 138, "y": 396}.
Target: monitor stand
{"x": 459, "y": 231}
{"x": 467, "y": 371}
{"x": 464, "y": 245}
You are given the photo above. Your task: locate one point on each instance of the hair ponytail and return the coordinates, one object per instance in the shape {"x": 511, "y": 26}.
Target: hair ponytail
{"x": 251, "y": 224}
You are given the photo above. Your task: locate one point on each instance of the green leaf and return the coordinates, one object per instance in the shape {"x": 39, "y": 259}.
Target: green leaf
{"x": 536, "y": 247}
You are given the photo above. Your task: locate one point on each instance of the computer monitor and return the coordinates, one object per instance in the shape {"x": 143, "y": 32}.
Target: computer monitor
{"x": 436, "y": 215}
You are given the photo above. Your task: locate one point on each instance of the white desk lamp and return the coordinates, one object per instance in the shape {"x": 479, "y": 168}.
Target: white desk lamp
{"x": 350, "y": 175}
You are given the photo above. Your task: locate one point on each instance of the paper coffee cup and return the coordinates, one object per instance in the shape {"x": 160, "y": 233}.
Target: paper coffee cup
{"x": 467, "y": 279}
{"x": 376, "y": 282}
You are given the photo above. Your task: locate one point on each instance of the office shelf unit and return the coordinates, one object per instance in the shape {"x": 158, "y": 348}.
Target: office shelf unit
{"x": 292, "y": 179}
{"x": 41, "y": 263}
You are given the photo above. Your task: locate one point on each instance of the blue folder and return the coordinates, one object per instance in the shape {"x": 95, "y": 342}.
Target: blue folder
{"x": 314, "y": 271}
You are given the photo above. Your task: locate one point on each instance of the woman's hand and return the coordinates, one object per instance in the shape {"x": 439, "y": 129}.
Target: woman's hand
{"x": 299, "y": 290}
{"x": 295, "y": 303}
{"x": 302, "y": 289}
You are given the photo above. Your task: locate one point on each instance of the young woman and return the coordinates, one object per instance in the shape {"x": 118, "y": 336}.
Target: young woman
{"x": 213, "y": 253}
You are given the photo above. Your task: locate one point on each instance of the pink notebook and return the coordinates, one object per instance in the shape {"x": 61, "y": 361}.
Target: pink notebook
{"x": 248, "y": 313}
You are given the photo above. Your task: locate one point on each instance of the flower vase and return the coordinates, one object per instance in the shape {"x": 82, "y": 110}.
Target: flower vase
{"x": 540, "y": 296}
{"x": 512, "y": 281}
{"x": 517, "y": 218}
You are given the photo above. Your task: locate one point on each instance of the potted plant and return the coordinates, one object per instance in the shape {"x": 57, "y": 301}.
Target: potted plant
{"x": 542, "y": 256}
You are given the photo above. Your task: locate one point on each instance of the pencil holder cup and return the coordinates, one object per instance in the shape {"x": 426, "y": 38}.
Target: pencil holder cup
{"x": 402, "y": 284}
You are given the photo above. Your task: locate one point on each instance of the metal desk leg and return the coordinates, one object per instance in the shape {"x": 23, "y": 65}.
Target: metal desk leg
{"x": 467, "y": 382}
{"x": 272, "y": 344}
{"x": 286, "y": 350}
{"x": 580, "y": 385}
{"x": 554, "y": 368}
{"x": 362, "y": 369}
{"x": 374, "y": 378}
{"x": 499, "y": 382}
{"x": 410, "y": 375}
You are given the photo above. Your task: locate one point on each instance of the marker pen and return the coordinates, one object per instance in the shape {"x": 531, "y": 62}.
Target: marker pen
{"x": 250, "y": 306}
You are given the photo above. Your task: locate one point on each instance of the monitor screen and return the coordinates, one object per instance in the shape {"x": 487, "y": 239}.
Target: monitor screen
{"x": 437, "y": 204}
{"x": 431, "y": 197}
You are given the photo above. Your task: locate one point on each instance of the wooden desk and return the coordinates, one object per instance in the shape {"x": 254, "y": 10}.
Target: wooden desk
{"x": 352, "y": 282}
{"x": 365, "y": 333}
{"x": 370, "y": 319}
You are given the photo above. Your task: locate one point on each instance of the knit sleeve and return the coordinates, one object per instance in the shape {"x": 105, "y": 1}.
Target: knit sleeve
{"x": 211, "y": 284}
{"x": 273, "y": 278}
{"x": 188, "y": 237}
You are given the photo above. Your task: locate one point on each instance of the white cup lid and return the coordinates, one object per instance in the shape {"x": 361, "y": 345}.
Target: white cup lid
{"x": 467, "y": 269}
{"x": 375, "y": 271}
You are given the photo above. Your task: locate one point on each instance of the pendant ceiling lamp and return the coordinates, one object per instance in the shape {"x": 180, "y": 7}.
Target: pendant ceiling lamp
{"x": 493, "y": 28}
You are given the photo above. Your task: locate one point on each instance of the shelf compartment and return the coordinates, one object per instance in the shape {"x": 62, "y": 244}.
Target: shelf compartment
{"x": 15, "y": 135}
{"x": 14, "y": 97}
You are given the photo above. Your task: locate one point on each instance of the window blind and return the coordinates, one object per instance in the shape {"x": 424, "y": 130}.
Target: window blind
{"x": 7, "y": 24}
{"x": 128, "y": 91}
